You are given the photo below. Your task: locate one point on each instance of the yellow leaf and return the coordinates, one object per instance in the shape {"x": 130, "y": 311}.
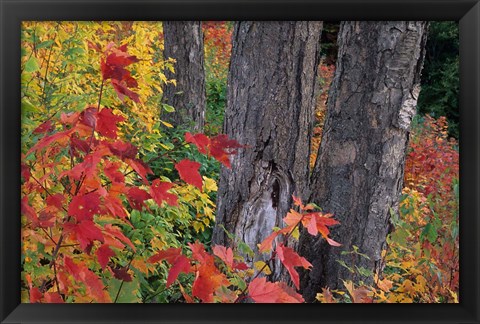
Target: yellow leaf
{"x": 383, "y": 284}
{"x": 259, "y": 265}
{"x": 198, "y": 226}
{"x": 209, "y": 184}
{"x": 163, "y": 78}
{"x": 421, "y": 284}
{"x": 166, "y": 124}
{"x": 208, "y": 212}
{"x": 296, "y": 233}
{"x": 407, "y": 287}
{"x": 454, "y": 295}
{"x": 157, "y": 243}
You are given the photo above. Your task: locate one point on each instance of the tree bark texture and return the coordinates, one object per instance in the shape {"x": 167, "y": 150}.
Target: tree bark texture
{"x": 184, "y": 43}
{"x": 358, "y": 175}
{"x": 270, "y": 105}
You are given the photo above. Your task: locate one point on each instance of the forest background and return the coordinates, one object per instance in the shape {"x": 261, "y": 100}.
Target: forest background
{"x": 118, "y": 205}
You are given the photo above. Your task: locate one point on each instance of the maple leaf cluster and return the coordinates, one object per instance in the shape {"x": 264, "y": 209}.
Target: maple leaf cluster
{"x": 212, "y": 285}
{"x": 220, "y": 147}
{"x": 113, "y": 65}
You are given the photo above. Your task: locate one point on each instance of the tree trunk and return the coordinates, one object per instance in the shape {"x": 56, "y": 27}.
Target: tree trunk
{"x": 184, "y": 43}
{"x": 358, "y": 174}
{"x": 270, "y": 105}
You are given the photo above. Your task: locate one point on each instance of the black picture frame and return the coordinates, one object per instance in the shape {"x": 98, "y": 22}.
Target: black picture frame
{"x": 12, "y": 12}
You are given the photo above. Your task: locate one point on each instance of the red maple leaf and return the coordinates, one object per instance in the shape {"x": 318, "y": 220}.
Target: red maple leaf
{"x": 89, "y": 117}
{"x": 117, "y": 234}
{"x": 200, "y": 140}
{"x": 113, "y": 68}
{"x": 60, "y": 137}
{"x": 25, "y": 172}
{"x": 180, "y": 265}
{"x": 104, "y": 253}
{"x": 124, "y": 150}
{"x": 122, "y": 90}
{"x": 207, "y": 281}
{"x": 56, "y": 200}
{"x": 170, "y": 255}
{"x": 107, "y": 123}
{"x": 267, "y": 243}
{"x": 207, "y": 276}
{"x": 28, "y": 211}
{"x": 188, "y": 171}
{"x": 225, "y": 254}
{"x": 290, "y": 259}
{"x": 317, "y": 223}
{"x": 35, "y": 295}
{"x": 136, "y": 197}
{"x": 83, "y": 207}
{"x": 159, "y": 193}
{"x": 46, "y": 219}
{"x": 219, "y": 147}
{"x": 112, "y": 172}
{"x": 174, "y": 256}
{"x": 262, "y": 291}
{"x": 140, "y": 167}
{"x": 87, "y": 168}
{"x": 77, "y": 145}
{"x": 45, "y": 127}
{"x": 70, "y": 118}
{"x": 53, "y": 298}
{"x": 122, "y": 274}
{"x": 93, "y": 285}
{"x": 85, "y": 233}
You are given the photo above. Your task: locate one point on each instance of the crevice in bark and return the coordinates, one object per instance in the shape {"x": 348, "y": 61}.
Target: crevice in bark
{"x": 270, "y": 106}
{"x": 359, "y": 169}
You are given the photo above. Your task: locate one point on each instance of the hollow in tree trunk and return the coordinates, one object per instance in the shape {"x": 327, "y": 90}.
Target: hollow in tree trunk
{"x": 270, "y": 105}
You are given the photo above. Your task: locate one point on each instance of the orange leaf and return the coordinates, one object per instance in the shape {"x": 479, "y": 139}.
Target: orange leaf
{"x": 262, "y": 291}
{"x": 266, "y": 245}
{"x": 226, "y": 254}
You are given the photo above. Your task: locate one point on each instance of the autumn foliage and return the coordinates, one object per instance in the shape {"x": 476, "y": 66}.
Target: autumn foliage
{"x": 112, "y": 210}
{"x": 82, "y": 187}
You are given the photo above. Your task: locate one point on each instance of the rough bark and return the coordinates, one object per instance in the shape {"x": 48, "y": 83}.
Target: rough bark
{"x": 358, "y": 174}
{"x": 184, "y": 43}
{"x": 270, "y": 104}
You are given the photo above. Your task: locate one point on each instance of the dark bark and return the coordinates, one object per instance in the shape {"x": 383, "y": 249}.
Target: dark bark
{"x": 358, "y": 174}
{"x": 270, "y": 104}
{"x": 184, "y": 43}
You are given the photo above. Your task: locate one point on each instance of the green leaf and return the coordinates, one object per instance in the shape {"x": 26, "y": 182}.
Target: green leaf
{"x": 400, "y": 236}
{"x": 31, "y": 65}
{"x": 45, "y": 44}
{"x": 343, "y": 264}
{"x": 74, "y": 50}
{"x": 364, "y": 272}
{"x": 27, "y": 106}
{"x": 128, "y": 292}
{"x": 168, "y": 108}
{"x": 430, "y": 233}
{"x": 245, "y": 249}
{"x": 167, "y": 146}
